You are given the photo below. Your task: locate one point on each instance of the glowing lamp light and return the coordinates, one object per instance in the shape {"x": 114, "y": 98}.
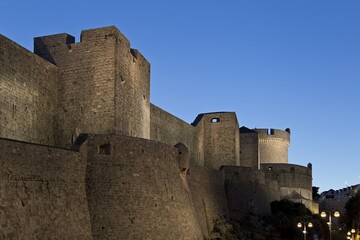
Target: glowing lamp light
{"x": 336, "y": 214}
{"x": 299, "y": 225}
{"x": 323, "y": 214}
{"x": 310, "y": 225}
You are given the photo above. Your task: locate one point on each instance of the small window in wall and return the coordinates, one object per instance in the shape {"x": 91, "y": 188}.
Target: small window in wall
{"x": 270, "y": 168}
{"x": 215, "y": 120}
{"x": 105, "y": 149}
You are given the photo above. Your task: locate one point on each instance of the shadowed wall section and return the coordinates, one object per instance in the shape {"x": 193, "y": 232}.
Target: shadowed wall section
{"x": 208, "y": 191}
{"x": 169, "y": 129}
{"x": 248, "y": 191}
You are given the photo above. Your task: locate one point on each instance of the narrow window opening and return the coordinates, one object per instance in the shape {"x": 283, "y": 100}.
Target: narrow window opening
{"x": 215, "y": 120}
{"x": 105, "y": 149}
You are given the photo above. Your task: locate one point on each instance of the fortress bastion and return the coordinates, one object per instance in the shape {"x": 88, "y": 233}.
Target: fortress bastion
{"x": 85, "y": 155}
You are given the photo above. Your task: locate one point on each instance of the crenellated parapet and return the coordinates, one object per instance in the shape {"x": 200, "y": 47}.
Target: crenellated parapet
{"x": 273, "y": 145}
{"x": 104, "y": 85}
{"x": 273, "y": 135}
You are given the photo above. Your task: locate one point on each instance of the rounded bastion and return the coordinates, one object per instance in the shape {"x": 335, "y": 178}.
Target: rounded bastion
{"x": 135, "y": 191}
{"x": 273, "y": 145}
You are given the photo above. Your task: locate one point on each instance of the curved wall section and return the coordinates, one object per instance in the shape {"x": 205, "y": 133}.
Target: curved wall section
{"x": 295, "y": 182}
{"x": 273, "y": 145}
{"x": 135, "y": 191}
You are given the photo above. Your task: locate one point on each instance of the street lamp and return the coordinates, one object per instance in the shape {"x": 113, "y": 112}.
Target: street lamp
{"x": 300, "y": 225}
{"x": 336, "y": 214}
{"x": 351, "y": 232}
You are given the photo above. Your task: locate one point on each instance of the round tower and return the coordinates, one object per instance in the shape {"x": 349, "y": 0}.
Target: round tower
{"x": 273, "y": 145}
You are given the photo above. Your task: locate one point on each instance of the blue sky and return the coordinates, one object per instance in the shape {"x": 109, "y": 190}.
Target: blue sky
{"x": 276, "y": 63}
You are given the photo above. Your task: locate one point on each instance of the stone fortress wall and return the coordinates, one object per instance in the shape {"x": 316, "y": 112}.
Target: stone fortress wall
{"x": 28, "y": 95}
{"x": 273, "y": 145}
{"x": 115, "y": 165}
{"x": 42, "y": 192}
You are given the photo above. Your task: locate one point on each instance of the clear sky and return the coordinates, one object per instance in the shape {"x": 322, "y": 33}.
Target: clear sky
{"x": 276, "y": 63}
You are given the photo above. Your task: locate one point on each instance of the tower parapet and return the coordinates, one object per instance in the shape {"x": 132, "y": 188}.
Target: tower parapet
{"x": 104, "y": 85}
{"x": 273, "y": 145}
{"x": 220, "y": 137}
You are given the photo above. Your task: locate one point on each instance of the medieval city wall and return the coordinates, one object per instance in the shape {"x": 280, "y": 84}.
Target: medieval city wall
{"x": 171, "y": 130}
{"x": 249, "y": 148}
{"x": 117, "y": 182}
{"x": 248, "y": 191}
{"x": 42, "y": 193}
{"x": 132, "y": 89}
{"x": 104, "y": 86}
{"x": 273, "y": 145}
{"x": 295, "y": 182}
{"x": 208, "y": 194}
{"x": 86, "y": 84}
{"x": 221, "y": 139}
{"x": 137, "y": 191}
{"x": 28, "y": 95}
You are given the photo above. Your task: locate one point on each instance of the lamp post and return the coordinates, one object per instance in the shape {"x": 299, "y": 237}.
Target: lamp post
{"x": 351, "y": 233}
{"x": 300, "y": 225}
{"x": 336, "y": 214}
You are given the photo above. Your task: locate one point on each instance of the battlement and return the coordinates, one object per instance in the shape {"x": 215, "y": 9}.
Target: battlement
{"x": 93, "y": 35}
{"x": 286, "y": 168}
{"x": 61, "y": 38}
{"x": 90, "y": 35}
{"x": 271, "y": 133}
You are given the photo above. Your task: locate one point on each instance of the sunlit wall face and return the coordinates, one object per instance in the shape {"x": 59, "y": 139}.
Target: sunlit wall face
{"x": 28, "y": 95}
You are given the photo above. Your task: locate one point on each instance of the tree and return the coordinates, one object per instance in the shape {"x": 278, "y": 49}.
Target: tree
{"x": 352, "y": 212}
{"x": 315, "y": 193}
{"x": 285, "y": 216}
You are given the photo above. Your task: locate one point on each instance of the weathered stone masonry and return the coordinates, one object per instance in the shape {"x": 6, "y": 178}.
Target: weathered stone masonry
{"x": 85, "y": 155}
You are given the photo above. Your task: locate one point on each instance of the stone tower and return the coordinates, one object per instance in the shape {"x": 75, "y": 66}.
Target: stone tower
{"x": 220, "y": 137}
{"x": 259, "y": 146}
{"x": 273, "y": 145}
{"x": 103, "y": 87}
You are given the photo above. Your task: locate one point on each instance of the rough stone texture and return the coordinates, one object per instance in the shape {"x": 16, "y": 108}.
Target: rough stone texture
{"x": 132, "y": 91}
{"x": 220, "y": 138}
{"x": 208, "y": 194}
{"x": 248, "y": 191}
{"x": 28, "y": 90}
{"x": 295, "y": 182}
{"x": 273, "y": 145}
{"x": 42, "y": 193}
{"x": 136, "y": 191}
{"x": 135, "y": 188}
{"x": 172, "y": 130}
{"x": 249, "y": 148}
{"x": 101, "y": 80}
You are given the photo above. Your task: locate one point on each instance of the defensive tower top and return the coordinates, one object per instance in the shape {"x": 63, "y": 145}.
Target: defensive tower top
{"x": 273, "y": 134}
